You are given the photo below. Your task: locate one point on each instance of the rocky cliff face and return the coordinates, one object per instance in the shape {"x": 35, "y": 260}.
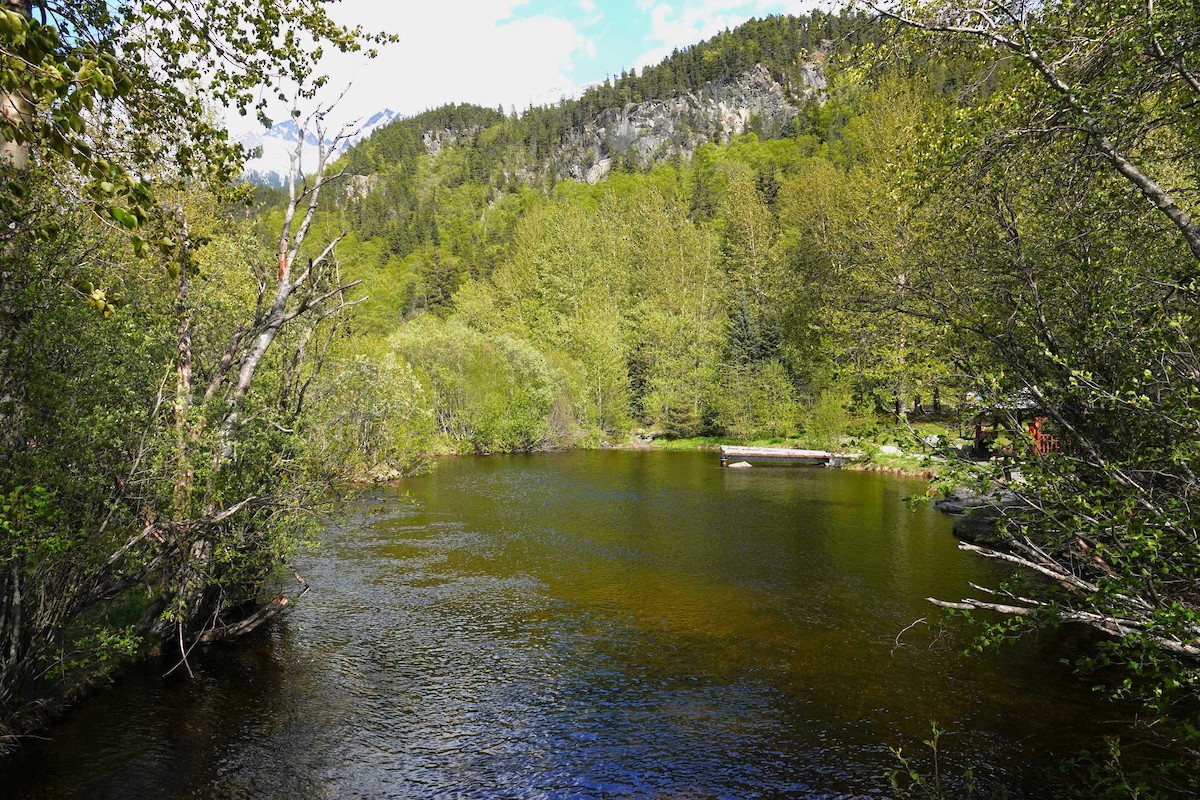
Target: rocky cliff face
{"x": 656, "y": 130}
{"x": 659, "y": 129}
{"x": 435, "y": 141}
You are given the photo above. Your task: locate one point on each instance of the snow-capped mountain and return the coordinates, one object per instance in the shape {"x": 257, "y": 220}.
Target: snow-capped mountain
{"x": 272, "y": 149}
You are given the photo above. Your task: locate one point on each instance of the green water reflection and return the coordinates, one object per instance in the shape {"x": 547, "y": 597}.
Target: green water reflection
{"x": 598, "y": 624}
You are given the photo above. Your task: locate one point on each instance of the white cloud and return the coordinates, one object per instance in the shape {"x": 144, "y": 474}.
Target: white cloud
{"x": 464, "y": 51}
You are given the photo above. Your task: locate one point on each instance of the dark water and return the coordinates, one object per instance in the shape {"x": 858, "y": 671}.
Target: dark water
{"x": 605, "y": 624}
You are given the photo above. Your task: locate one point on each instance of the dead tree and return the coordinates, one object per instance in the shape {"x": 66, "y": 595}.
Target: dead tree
{"x": 298, "y": 298}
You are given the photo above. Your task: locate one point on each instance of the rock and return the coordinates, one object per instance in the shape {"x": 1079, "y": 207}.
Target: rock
{"x": 436, "y": 141}
{"x": 980, "y": 526}
{"x": 981, "y": 516}
{"x": 656, "y": 130}
{"x": 963, "y": 499}
{"x": 891, "y": 450}
{"x": 653, "y": 131}
{"x": 357, "y": 187}
{"x": 959, "y": 501}
{"x": 597, "y": 171}
{"x": 740, "y": 465}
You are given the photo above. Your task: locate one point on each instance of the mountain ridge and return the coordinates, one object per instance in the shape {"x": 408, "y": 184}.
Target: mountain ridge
{"x": 272, "y": 149}
{"x": 758, "y": 77}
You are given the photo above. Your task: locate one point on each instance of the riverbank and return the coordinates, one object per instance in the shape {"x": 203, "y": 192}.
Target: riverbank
{"x": 881, "y": 458}
{"x": 876, "y": 457}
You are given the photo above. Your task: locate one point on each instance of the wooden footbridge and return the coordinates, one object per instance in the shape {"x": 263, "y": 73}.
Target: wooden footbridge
{"x": 783, "y": 454}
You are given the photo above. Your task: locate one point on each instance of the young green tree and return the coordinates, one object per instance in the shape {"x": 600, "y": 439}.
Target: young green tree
{"x": 680, "y": 319}
{"x": 756, "y": 282}
{"x": 846, "y": 233}
{"x": 1062, "y": 237}
{"x": 151, "y": 467}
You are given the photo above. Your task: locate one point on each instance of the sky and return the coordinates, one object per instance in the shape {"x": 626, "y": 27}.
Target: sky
{"x": 517, "y": 53}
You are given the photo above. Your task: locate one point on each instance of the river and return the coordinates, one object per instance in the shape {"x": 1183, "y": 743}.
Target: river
{"x": 594, "y": 624}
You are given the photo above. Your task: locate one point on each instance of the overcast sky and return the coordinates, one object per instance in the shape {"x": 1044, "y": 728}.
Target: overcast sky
{"x": 517, "y": 52}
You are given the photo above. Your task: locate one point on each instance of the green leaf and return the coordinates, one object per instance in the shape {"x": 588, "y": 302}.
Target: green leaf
{"x": 123, "y": 217}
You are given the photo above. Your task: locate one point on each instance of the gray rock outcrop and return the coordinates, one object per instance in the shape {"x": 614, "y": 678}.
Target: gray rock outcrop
{"x": 435, "y": 141}
{"x": 981, "y": 517}
{"x": 657, "y": 130}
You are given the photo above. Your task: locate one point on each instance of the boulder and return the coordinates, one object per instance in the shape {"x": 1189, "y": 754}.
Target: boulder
{"x": 981, "y": 516}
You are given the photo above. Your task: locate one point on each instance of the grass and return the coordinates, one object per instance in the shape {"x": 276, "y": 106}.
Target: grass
{"x": 698, "y": 443}
{"x": 915, "y": 464}
{"x": 864, "y": 435}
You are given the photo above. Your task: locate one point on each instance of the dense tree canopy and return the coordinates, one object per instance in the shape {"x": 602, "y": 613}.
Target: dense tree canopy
{"x": 155, "y": 469}
{"x": 991, "y": 200}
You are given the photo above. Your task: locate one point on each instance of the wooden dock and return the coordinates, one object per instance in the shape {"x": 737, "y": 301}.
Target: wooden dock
{"x": 780, "y": 454}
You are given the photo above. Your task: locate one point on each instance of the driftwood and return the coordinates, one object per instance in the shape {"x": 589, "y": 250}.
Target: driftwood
{"x": 1138, "y": 619}
{"x": 250, "y": 623}
{"x": 254, "y": 621}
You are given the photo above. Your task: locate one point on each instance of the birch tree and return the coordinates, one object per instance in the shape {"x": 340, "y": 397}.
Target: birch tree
{"x": 1062, "y": 250}
{"x": 180, "y": 493}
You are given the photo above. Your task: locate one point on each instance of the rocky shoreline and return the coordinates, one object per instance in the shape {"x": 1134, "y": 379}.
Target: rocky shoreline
{"x": 979, "y": 515}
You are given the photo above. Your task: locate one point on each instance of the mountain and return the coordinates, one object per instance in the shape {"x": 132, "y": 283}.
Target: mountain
{"x": 273, "y": 148}
{"x": 656, "y": 130}
{"x": 766, "y": 77}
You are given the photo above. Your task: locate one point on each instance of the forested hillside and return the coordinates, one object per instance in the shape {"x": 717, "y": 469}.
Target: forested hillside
{"x": 806, "y": 227}
{"x": 682, "y": 294}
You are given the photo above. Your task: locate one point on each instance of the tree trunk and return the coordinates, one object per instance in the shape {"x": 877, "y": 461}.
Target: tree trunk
{"x": 16, "y": 106}
{"x": 183, "y": 384}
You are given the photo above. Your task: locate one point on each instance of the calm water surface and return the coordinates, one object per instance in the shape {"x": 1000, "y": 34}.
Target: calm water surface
{"x": 597, "y": 624}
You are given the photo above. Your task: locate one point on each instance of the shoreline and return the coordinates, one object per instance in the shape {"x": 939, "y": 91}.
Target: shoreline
{"x": 925, "y": 472}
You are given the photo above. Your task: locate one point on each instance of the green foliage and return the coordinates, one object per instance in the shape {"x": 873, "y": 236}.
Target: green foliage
{"x": 909, "y": 781}
{"x": 491, "y": 393}
{"x": 29, "y": 524}
{"x": 1111, "y": 772}
{"x": 374, "y": 419}
{"x": 755, "y": 402}
{"x": 97, "y": 653}
{"x": 827, "y": 419}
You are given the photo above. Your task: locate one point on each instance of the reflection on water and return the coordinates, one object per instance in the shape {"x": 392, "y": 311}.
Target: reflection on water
{"x": 592, "y": 625}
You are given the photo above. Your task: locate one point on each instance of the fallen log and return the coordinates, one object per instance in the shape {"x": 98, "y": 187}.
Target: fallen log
{"x": 253, "y": 621}
{"x": 244, "y": 626}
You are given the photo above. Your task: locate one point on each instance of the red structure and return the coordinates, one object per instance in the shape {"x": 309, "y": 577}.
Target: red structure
{"x": 1044, "y": 443}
